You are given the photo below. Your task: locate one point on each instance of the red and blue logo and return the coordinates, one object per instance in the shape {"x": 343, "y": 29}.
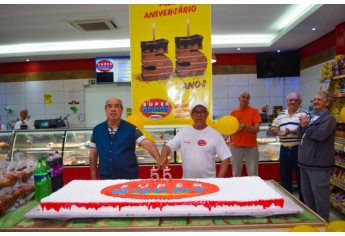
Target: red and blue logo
{"x": 104, "y": 65}
{"x": 202, "y": 142}
{"x": 155, "y": 109}
{"x": 161, "y": 189}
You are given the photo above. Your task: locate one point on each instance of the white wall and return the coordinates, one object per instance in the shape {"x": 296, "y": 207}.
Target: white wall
{"x": 30, "y": 95}
{"x": 95, "y": 97}
{"x": 226, "y": 89}
{"x": 269, "y": 91}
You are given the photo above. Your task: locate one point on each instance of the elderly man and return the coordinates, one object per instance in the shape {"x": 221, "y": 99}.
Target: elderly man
{"x": 113, "y": 142}
{"x": 316, "y": 154}
{"x": 24, "y": 122}
{"x": 199, "y": 145}
{"x": 285, "y": 126}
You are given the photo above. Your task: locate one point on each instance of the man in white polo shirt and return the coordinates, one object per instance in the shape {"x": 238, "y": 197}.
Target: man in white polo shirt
{"x": 285, "y": 126}
{"x": 199, "y": 146}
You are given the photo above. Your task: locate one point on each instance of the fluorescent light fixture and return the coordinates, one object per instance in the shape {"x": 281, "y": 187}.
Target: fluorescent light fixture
{"x": 292, "y": 17}
{"x": 294, "y": 12}
{"x": 64, "y": 46}
{"x": 244, "y": 39}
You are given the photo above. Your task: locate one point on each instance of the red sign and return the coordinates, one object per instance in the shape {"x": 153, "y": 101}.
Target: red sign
{"x": 155, "y": 108}
{"x": 104, "y": 65}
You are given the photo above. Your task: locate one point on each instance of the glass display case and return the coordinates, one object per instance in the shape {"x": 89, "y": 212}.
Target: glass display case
{"x": 268, "y": 144}
{"x": 73, "y": 144}
{"x": 5, "y": 143}
{"x": 36, "y": 143}
{"x": 76, "y": 148}
{"x": 162, "y": 136}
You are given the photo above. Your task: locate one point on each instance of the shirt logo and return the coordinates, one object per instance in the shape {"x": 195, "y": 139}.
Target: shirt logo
{"x": 202, "y": 142}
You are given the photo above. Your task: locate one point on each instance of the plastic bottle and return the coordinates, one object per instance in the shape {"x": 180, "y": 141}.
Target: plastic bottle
{"x": 48, "y": 170}
{"x": 52, "y": 163}
{"x": 59, "y": 164}
{"x": 41, "y": 181}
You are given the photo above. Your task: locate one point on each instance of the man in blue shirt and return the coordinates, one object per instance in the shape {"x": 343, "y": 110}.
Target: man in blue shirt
{"x": 113, "y": 143}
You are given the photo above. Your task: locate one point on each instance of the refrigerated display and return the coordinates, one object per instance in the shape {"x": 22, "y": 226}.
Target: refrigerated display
{"x": 5, "y": 143}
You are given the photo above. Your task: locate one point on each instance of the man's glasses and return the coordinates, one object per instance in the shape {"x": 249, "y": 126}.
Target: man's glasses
{"x": 293, "y": 100}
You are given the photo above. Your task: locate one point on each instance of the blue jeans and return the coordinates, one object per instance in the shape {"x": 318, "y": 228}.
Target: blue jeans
{"x": 288, "y": 159}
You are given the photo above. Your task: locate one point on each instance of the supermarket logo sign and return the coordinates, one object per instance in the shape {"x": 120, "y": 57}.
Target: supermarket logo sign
{"x": 160, "y": 189}
{"x": 155, "y": 109}
{"x": 104, "y": 66}
{"x": 202, "y": 142}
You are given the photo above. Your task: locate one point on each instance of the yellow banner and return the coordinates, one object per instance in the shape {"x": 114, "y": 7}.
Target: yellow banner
{"x": 171, "y": 61}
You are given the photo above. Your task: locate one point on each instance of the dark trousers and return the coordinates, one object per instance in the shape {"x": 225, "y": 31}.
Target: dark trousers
{"x": 288, "y": 159}
{"x": 315, "y": 187}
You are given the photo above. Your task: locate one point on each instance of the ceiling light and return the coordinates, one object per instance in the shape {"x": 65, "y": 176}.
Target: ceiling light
{"x": 238, "y": 49}
{"x": 313, "y": 29}
{"x": 64, "y": 46}
{"x": 278, "y": 50}
{"x": 292, "y": 17}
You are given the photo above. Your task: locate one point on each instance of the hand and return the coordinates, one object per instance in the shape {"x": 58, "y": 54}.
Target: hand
{"x": 284, "y": 132}
{"x": 162, "y": 162}
{"x": 303, "y": 120}
{"x": 242, "y": 125}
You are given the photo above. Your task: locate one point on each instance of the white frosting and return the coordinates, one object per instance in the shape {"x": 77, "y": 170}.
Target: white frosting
{"x": 230, "y": 189}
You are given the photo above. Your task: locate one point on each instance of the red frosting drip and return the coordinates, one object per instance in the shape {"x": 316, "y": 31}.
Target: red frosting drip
{"x": 57, "y": 206}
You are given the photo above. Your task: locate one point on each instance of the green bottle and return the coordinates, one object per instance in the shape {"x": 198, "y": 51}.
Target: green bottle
{"x": 42, "y": 180}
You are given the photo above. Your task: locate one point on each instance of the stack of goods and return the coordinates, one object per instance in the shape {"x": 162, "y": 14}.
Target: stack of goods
{"x": 164, "y": 197}
{"x": 338, "y": 175}
{"x": 189, "y": 60}
{"x": 16, "y": 183}
{"x": 338, "y": 180}
{"x": 338, "y": 66}
{"x": 326, "y": 71}
{"x": 155, "y": 65}
{"x": 4, "y": 148}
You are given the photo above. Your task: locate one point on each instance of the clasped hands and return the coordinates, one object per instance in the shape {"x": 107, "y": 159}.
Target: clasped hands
{"x": 162, "y": 162}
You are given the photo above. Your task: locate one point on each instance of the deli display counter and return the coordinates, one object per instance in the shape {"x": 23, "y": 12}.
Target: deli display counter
{"x": 73, "y": 146}
{"x": 5, "y": 143}
{"x": 268, "y": 144}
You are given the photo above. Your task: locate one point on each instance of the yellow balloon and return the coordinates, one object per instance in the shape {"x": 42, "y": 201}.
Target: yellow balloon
{"x": 190, "y": 121}
{"x": 304, "y": 228}
{"x": 342, "y": 114}
{"x": 136, "y": 120}
{"x": 209, "y": 122}
{"x": 148, "y": 135}
{"x": 227, "y": 125}
{"x": 336, "y": 226}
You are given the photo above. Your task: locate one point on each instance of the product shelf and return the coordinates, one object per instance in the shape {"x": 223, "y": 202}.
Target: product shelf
{"x": 337, "y": 182}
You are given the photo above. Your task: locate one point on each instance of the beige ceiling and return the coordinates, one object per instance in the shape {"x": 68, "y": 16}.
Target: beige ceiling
{"x": 21, "y": 24}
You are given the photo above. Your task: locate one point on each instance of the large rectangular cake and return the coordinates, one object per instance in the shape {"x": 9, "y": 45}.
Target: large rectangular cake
{"x": 175, "y": 197}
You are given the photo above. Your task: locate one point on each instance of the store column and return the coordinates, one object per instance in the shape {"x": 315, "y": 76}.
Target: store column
{"x": 340, "y": 38}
